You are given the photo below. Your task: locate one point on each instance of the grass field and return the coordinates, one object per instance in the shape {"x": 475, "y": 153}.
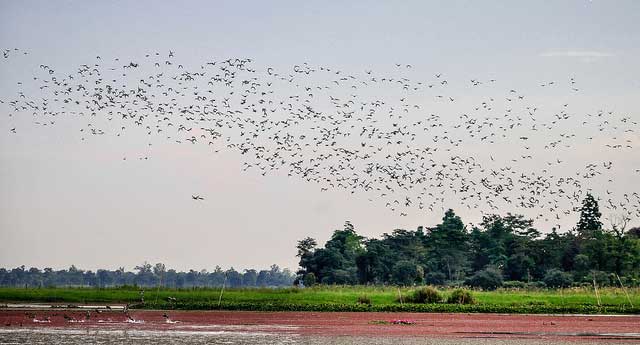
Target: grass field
{"x": 338, "y": 298}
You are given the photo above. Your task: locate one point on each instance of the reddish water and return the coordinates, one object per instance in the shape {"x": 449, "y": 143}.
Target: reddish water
{"x": 579, "y": 328}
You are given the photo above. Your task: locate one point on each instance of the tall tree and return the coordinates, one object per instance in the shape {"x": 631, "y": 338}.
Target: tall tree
{"x": 589, "y": 222}
{"x": 447, "y": 245}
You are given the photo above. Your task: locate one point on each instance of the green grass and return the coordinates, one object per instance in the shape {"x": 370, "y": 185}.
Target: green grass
{"x": 338, "y": 298}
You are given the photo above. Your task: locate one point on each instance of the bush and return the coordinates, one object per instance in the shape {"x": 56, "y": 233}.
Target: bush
{"x": 629, "y": 281}
{"x": 536, "y": 285}
{"x": 555, "y": 278}
{"x": 514, "y": 284}
{"x": 426, "y": 294}
{"x": 602, "y": 278}
{"x": 461, "y": 296}
{"x": 487, "y": 279}
{"x": 364, "y": 299}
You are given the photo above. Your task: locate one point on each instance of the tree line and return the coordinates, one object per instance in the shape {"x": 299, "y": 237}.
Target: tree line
{"x": 145, "y": 275}
{"x": 501, "y": 250}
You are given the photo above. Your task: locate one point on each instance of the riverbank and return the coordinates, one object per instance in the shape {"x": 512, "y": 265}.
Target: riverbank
{"x": 337, "y": 299}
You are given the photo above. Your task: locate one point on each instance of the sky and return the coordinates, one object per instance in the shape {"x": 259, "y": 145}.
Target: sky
{"x": 67, "y": 201}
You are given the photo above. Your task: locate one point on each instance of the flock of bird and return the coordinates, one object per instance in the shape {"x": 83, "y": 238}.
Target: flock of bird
{"x": 407, "y": 144}
{"x": 90, "y": 315}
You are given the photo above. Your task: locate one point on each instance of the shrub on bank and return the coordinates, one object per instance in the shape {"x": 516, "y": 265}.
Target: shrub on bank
{"x": 488, "y": 279}
{"x": 536, "y": 285}
{"x": 425, "y": 294}
{"x": 555, "y": 278}
{"x": 514, "y": 284}
{"x": 309, "y": 279}
{"x": 364, "y": 299}
{"x": 461, "y": 296}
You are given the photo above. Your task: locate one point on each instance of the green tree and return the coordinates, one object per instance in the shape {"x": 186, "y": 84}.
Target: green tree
{"x": 447, "y": 245}
{"x": 104, "y": 278}
{"x": 620, "y": 246}
{"x": 406, "y": 272}
{"x": 489, "y": 278}
{"x": 250, "y": 277}
{"x": 519, "y": 267}
{"x": 556, "y": 278}
{"x": 589, "y": 222}
{"x": 375, "y": 263}
{"x": 145, "y": 276}
{"x": 581, "y": 268}
{"x": 309, "y": 279}
{"x": 336, "y": 262}
{"x": 159, "y": 271}
{"x": 306, "y": 246}
{"x": 234, "y": 278}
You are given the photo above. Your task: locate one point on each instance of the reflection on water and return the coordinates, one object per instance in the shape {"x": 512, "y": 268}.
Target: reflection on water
{"x": 77, "y": 337}
{"x": 60, "y": 336}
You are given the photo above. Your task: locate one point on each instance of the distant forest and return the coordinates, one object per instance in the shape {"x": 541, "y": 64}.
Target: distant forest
{"x": 145, "y": 275}
{"x": 501, "y": 251}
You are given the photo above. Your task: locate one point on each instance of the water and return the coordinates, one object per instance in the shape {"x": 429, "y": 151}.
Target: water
{"x": 142, "y": 337}
{"x": 66, "y": 336}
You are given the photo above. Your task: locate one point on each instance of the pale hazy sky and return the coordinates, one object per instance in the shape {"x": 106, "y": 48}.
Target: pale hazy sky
{"x": 66, "y": 202}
